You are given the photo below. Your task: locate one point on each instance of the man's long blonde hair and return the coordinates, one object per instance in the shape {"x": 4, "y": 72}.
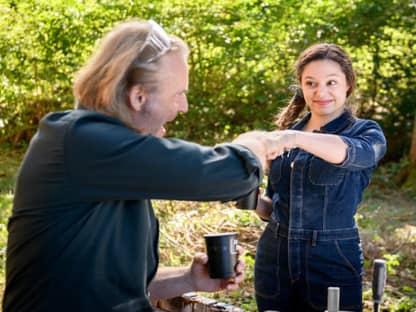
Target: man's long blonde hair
{"x": 103, "y": 83}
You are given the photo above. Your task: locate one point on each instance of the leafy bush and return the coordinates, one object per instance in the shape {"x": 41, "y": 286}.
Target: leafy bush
{"x": 242, "y": 55}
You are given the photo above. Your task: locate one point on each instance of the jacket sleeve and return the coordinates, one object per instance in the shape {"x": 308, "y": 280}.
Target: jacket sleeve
{"x": 109, "y": 161}
{"x": 366, "y": 146}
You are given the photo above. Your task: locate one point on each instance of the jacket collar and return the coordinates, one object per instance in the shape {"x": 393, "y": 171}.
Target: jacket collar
{"x": 335, "y": 126}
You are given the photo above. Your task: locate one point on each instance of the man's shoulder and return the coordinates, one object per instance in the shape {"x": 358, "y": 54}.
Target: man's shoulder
{"x": 74, "y": 115}
{"x": 80, "y": 125}
{"x": 80, "y": 121}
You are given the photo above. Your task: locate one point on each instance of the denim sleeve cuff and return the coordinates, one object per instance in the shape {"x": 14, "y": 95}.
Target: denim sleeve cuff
{"x": 361, "y": 155}
{"x": 350, "y": 154}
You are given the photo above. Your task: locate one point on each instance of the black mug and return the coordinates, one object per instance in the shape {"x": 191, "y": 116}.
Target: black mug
{"x": 222, "y": 254}
{"x": 249, "y": 202}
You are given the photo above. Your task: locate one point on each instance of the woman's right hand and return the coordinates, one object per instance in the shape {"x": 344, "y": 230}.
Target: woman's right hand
{"x": 264, "y": 206}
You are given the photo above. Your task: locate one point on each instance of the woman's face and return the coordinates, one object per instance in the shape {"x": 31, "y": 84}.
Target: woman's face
{"x": 324, "y": 87}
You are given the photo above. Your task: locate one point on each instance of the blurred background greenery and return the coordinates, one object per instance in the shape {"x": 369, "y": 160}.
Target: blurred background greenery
{"x": 241, "y": 63}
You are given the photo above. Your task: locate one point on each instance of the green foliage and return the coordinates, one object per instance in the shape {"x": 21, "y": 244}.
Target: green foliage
{"x": 392, "y": 261}
{"x": 387, "y": 222}
{"x": 9, "y": 162}
{"x": 237, "y": 60}
{"x": 42, "y": 44}
{"x": 241, "y": 61}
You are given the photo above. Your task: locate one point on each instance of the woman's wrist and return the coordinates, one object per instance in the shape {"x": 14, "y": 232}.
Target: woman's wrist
{"x": 264, "y": 208}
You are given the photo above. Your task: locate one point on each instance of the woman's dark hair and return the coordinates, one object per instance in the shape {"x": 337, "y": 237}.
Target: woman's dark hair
{"x": 320, "y": 51}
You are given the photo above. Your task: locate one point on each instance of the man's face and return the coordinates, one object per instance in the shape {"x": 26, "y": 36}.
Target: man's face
{"x": 163, "y": 105}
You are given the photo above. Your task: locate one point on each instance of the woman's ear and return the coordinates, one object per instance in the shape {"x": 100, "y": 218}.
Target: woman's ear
{"x": 137, "y": 97}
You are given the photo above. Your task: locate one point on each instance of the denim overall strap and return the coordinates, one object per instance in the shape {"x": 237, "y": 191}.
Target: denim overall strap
{"x": 295, "y": 247}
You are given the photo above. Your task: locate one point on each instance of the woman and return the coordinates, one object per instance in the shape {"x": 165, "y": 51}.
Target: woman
{"x": 311, "y": 241}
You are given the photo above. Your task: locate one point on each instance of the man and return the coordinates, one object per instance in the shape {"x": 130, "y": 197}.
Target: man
{"x": 83, "y": 235}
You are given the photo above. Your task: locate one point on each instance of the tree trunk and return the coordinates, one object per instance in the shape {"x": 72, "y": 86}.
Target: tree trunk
{"x": 410, "y": 182}
{"x": 412, "y": 154}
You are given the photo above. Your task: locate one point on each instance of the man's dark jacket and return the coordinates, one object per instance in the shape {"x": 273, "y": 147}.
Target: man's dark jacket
{"x": 83, "y": 235}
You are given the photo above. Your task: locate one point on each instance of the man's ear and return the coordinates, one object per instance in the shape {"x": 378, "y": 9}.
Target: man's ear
{"x": 137, "y": 97}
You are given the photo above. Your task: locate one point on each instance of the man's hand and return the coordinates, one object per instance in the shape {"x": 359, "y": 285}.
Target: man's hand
{"x": 264, "y": 206}
{"x": 200, "y": 280}
{"x": 278, "y": 142}
{"x": 173, "y": 282}
{"x": 267, "y": 145}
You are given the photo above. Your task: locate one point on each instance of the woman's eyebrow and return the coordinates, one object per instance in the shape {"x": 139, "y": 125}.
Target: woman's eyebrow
{"x": 330, "y": 75}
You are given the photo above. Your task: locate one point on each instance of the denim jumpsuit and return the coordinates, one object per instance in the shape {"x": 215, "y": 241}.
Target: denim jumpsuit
{"x": 311, "y": 241}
